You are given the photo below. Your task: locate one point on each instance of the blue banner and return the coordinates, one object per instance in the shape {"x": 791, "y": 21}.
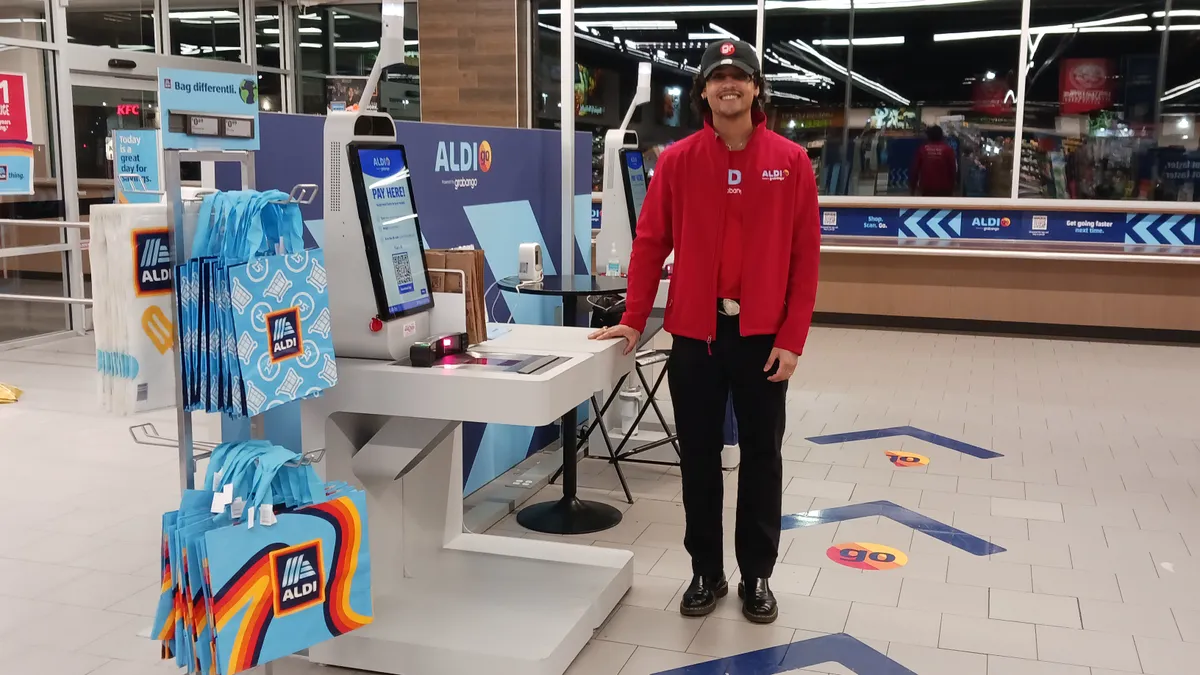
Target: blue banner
{"x": 1012, "y": 225}
{"x": 135, "y": 153}
{"x": 202, "y": 110}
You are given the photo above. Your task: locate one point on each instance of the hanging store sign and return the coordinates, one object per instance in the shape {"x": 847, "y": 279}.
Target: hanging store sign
{"x": 1085, "y": 85}
{"x": 16, "y": 141}
{"x": 208, "y": 111}
{"x": 135, "y": 165}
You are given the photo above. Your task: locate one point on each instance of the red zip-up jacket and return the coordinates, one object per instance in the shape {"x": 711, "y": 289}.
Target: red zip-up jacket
{"x": 684, "y": 210}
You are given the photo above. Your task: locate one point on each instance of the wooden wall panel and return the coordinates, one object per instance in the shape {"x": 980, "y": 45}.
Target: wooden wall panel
{"x": 469, "y": 62}
{"x": 1073, "y": 293}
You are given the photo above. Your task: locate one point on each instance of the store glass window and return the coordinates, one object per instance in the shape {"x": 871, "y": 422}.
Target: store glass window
{"x": 24, "y": 19}
{"x": 268, "y": 44}
{"x": 351, "y": 48}
{"x": 313, "y": 29}
{"x": 908, "y": 68}
{"x": 99, "y": 111}
{"x": 357, "y": 29}
{"x": 123, "y": 25}
{"x": 806, "y": 75}
{"x": 41, "y": 274}
{"x": 608, "y": 52}
{"x": 270, "y": 91}
{"x": 312, "y": 97}
{"x": 207, "y": 30}
{"x": 1100, "y": 121}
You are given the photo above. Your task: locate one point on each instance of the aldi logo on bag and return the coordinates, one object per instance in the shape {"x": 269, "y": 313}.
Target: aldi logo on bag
{"x": 283, "y": 331}
{"x": 298, "y": 577}
{"x": 151, "y": 262}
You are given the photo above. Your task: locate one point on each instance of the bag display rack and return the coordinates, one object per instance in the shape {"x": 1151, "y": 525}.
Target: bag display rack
{"x": 185, "y": 442}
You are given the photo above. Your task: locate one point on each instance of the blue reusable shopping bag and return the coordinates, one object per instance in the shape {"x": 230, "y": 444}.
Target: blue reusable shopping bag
{"x": 280, "y": 589}
{"x": 280, "y": 309}
{"x": 256, "y": 330}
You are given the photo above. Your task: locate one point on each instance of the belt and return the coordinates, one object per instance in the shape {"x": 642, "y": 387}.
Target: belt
{"x": 727, "y": 307}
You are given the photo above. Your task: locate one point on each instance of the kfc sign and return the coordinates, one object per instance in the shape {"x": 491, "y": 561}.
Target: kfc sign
{"x": 132, "y": 109}
{"x": 1085, "y": 85}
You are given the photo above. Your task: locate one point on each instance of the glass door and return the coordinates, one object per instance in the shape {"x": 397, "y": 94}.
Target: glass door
{"x": 103, "y": 105}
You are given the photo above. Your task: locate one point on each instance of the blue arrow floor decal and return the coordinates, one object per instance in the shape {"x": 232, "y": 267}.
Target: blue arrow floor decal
{"x": 855, "y": 655}
{"x": 919, "y": 434}
{"x": 924, "y": 524}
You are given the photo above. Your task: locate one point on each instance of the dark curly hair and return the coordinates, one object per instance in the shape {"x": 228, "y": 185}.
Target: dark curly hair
{"x": 700, "y": 105}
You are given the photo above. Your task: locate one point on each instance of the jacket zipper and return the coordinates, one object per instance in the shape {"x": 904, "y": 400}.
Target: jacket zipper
{"x": 708, "y": 343}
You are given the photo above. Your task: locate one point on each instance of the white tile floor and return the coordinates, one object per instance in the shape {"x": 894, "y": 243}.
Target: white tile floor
{"x": 1095, "y": 500}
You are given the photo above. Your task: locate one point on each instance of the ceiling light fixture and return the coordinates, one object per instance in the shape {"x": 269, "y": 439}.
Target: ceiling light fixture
{"x": 584, "y": 36}
{"x": 1109, "y": 22}
{"x": 795, "y": 97}
{"x": 724, "y": 33}
{"x": 1182, "y": 89}
{"x": 628, "y": 25}
{"x": 1116, "y": 29}
{"x": 1178, "y": 12}
{"x": 705, "y": 36}
{"x": 860, "y": 42}
{"x": 214, "y": 14}
{"x": 1097, "y": 26}
{"x": 751, "y": 8}
{"x": 1179, "y": 26}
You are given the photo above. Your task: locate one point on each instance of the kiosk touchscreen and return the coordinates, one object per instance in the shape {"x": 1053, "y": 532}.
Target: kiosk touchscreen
{"x": 387, "y": 212}
{"x": 633, "y": 170}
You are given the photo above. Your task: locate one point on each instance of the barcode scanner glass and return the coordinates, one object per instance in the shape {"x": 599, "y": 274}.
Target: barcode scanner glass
{"x": 387, "y": 211}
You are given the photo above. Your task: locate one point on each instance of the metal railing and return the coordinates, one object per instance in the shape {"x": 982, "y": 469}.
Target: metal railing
{"x": 73, "y": 247}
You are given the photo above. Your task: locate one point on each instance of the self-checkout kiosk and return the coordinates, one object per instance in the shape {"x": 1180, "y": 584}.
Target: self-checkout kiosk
{"x": 445, "y": 601}
{"x": 625, "y": 181}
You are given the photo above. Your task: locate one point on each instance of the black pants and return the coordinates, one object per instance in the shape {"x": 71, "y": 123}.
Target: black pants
{"x": 700, "y": 385}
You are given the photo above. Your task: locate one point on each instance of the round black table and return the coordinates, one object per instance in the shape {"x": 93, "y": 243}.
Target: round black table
{"x": 569, "y": 515}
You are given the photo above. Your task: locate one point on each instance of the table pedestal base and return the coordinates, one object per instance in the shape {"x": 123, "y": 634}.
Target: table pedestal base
{"x": 569, "y": 515}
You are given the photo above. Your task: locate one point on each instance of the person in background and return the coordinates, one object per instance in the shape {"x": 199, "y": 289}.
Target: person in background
{"x": 738, "y": 205}
{"x": 935, "y": 169}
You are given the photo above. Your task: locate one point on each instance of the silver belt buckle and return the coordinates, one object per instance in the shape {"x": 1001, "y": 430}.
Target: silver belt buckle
{"x": 730, "y": 307}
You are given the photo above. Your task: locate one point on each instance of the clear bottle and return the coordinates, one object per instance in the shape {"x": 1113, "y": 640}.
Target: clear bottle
{"x": 614, "y": 263}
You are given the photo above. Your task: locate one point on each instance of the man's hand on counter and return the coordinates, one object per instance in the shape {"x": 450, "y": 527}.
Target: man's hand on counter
{"x": 619, "y": 331}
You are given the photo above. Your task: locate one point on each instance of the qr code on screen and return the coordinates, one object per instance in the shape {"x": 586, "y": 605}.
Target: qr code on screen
{"x": 1040, "y": 223}
{"x": 402, "y": 268}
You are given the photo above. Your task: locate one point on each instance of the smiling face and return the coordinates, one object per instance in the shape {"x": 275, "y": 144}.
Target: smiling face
{"x": 730, "y": 91}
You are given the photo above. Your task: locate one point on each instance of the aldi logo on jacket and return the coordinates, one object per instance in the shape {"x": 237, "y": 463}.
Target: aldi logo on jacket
{"x": 686, "y": 211}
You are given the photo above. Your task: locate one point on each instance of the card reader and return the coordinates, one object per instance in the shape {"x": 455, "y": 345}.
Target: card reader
{"x": 425, "y": 353}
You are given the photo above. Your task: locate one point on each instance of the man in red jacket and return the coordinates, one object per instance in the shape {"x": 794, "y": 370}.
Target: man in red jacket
{"x": 935, "y": 168}
{"x": 738, "y": 205}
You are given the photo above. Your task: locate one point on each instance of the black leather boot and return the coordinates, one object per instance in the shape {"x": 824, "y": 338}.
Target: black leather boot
{"x": 701, "y": 595}
{"x": 758, "y": 602}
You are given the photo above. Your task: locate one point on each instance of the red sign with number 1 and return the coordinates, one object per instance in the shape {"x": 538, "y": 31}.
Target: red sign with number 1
{"x": 14, "y": 109}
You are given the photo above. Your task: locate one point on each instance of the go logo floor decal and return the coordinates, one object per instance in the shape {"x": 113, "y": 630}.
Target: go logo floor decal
{"x": 906, "y": 459}
{"x": 867, "y": 556}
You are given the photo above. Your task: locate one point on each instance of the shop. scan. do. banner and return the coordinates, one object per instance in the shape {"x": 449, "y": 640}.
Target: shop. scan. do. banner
{"x": 16, "y": 139}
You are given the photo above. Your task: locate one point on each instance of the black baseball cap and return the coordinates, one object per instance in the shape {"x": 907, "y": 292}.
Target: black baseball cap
{"x": 729, "y": 53}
